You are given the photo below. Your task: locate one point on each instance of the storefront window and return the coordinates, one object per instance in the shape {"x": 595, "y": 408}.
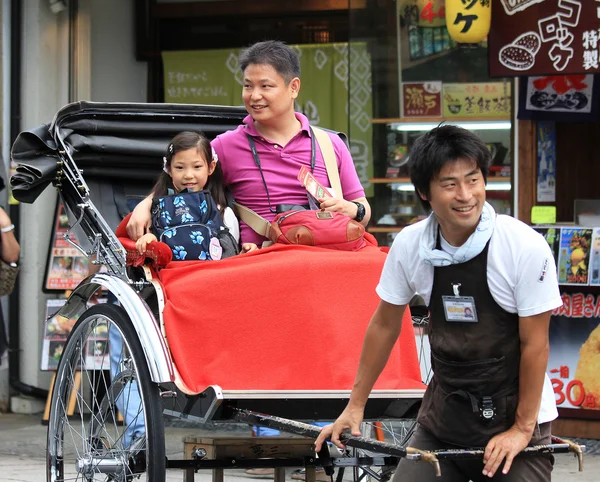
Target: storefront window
{"x": 421, "y": 77}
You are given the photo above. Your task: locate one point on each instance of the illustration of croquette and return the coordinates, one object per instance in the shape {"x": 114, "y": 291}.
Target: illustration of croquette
{"x": 587, "y": 368}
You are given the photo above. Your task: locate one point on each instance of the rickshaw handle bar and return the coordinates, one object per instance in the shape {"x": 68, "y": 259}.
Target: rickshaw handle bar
{"x": 299, "y": 428}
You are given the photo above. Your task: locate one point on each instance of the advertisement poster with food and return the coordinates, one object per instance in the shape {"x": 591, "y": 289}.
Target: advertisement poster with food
{"x": 544, "y": 37}
{"x": 574, "y": 256}
{"x": 56, "y": 331}
{"x": 552, "y": 236}
{"x": 574, "y": 360}
{"x": 477, "y": 99}
{"x": 595, "y": 258}
{"x": 66, "y": 266}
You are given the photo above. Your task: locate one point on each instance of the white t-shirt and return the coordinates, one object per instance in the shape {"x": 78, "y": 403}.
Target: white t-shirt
{"x": 521, "y": 276}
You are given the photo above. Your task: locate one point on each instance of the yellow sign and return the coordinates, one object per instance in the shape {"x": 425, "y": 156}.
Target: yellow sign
{"x": 543, "y": 215}
{"x": 468, "y": 21}
{"x": 484, "y": 99}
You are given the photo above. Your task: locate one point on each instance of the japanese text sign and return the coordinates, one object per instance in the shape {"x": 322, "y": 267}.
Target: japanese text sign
{"x": 468, "y": 21}
{"x": 422, "y": 99}
{"x": 490, "y": 99}
{"x": 424, "y": 13}
{"x": 573, "y": 363}
{"x": 544, "y": 37}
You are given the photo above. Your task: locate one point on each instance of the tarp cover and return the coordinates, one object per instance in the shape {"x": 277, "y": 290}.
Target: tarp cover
{"x": 110, "y": 142}
{"x": 280, "y": 318}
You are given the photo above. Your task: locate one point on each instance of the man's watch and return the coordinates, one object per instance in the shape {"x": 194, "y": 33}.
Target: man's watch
{"x": 360, "y": 213}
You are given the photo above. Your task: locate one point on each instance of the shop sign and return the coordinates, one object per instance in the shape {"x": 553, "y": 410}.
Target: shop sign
{"x": 484, "y": 99}
{"x": 574, "y": 360}
{"x": 422, "y": 99}
{"x": 560, "y": 93}
{"x": 534, "y": 37}
{"x": 424, "y": 13}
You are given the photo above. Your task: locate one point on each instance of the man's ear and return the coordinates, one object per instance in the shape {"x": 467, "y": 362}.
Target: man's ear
{"x": 422, "y": 195}
{"x": 294, "y": 87}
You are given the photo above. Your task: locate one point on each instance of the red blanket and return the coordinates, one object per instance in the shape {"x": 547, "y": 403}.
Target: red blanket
{"x": 280, "y": 318}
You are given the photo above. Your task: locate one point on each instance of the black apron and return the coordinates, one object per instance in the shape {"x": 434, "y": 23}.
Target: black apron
{"x": 474, "y": 391}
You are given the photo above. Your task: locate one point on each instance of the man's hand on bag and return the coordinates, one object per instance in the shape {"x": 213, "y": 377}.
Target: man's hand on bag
{"x": 350, "y": 419}
{"x": 342, "y": 206}
{"x": 505, "y": 445}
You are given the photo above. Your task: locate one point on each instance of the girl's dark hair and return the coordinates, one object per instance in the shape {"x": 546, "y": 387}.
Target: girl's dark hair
{"x": 190, "y": 140}
{"x": 275, "y": 53}
{"x": 441, "y": 145}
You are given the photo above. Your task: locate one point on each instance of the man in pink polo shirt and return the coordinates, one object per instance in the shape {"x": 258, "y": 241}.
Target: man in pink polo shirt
{"x": 263, "y": 177}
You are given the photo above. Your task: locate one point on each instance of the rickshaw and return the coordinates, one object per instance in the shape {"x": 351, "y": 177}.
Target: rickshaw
{"x": 254, "y": 338}
{"x": 217, "y": 351}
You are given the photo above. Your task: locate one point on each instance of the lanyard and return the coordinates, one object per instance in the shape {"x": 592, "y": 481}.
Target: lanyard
{"x": 257, "y": 162}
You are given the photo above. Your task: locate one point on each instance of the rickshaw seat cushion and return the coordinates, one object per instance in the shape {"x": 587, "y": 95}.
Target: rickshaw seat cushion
{"x": 285, "y": 317}
{"x": 158, "y": 254}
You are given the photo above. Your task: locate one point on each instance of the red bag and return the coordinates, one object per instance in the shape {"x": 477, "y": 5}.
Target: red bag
{"x": 318, "y": 228}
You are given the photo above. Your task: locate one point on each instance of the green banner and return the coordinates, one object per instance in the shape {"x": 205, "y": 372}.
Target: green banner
{"x": 214, "y": 77}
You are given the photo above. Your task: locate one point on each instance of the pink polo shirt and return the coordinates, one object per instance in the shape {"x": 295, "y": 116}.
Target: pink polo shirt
{"x": 280, "y": 166}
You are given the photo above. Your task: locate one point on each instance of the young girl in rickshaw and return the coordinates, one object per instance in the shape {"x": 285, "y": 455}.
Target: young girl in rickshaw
{"x": 191, "y": 166}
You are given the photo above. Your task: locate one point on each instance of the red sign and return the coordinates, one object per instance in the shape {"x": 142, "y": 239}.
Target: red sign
{"x": 422, "y": 99}
{"x": 549, "y": 37}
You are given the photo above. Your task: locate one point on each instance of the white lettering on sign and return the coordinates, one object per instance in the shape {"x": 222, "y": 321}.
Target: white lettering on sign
{"x": 513, "y": 6}
{"x": 591, "y": 49}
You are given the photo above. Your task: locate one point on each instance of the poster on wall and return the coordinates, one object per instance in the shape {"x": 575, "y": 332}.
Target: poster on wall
{"x": 546, "y": 162}
{"x": 559, "y": 98}
{"x": 422, "y": 99}
{"x": 595, "y": 258}
{"x": 552, "y": 236}
{"x": 574, "y": 359}
{"x": 477, "y": 99}
{"x": 56, "y": 331}
{"x": 574, "y": 256}
{"x": 66, "y": 265}
{"x": 549, "y": 37}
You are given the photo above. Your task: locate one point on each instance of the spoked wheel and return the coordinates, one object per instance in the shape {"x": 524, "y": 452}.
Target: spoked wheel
{"x": 117, "y": 430}
{"x": 397, "y": 432}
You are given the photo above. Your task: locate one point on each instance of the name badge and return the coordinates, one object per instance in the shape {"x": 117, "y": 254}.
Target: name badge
{"x": 216, "y": 251}
{"x": 460, "y": 309}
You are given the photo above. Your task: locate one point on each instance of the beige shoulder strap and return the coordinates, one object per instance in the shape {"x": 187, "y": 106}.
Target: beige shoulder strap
{"x": 330, "y": 161}
{"x": 258, "y": 224}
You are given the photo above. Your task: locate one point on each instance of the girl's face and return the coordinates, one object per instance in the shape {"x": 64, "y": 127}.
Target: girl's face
{"x": 189, "y": 170}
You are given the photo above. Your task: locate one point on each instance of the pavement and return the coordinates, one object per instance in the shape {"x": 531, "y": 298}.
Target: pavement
{"x": 23, "y": 447}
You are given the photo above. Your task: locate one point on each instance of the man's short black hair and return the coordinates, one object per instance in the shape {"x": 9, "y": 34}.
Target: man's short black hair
{"x": 275, "y": 53}
{"x": 443, "y": 144}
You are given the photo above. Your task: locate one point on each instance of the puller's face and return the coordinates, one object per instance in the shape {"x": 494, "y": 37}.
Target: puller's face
{"x": 457, "y": 196}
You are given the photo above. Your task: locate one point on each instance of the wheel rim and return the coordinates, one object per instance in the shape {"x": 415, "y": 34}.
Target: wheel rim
{"x": 95, "y": 443}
